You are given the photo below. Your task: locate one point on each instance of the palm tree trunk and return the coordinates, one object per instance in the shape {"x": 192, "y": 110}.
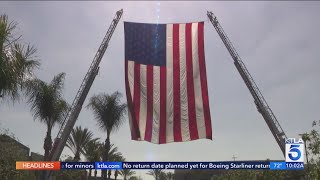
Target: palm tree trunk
{"x": 106, "y": 156}
{"x": 44, "y": 175}
{"x": 116, "y": 174}
{"x": 305, "y": 148}
{"x": 77, "y": 157}
{"x": 85, "y": 175}
{"x": 109, "y": 174}
{"x": 47, "y": 147}
{"x": 90, "y": 171}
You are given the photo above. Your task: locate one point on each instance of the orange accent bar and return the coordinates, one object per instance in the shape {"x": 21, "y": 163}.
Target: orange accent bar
{"x": 37, "y": 165}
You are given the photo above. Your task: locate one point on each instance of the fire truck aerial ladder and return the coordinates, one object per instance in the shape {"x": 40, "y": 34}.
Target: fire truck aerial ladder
{"x": 73, "y": 113}
{"x": 259, "y": 100}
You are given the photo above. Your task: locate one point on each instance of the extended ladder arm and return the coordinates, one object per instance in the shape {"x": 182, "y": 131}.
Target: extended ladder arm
{"x": 82, "y": 93}
{"x": 259, "y": 100}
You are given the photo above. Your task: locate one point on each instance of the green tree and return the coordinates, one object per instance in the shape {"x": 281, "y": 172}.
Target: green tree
{"x": 68, "y": 159}
{"x": 313, "y": 150}
{"x": 109, "y": 113}
{"x": 169, "y": 175}
{"x": 67, "y": 174}
{"x": 163, "y": 176}
{"x": 156, "y": 173}
{"x": 133, "y": 178}
{"x": 117, "y": 159}
{"x": 17, "y": 60}
{"x": 92, "y": 153}
{"x": 113, "y": 154}
{"x": 306, "y": 138}
{"x": 77, "y": 141}
{"x": 127, "y": 173}
{"x": 10, "y": 152}
{"x": 47, "y": 105}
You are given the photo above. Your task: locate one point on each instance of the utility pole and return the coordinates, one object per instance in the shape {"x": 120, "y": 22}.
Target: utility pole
{"x": 234, "y": 157}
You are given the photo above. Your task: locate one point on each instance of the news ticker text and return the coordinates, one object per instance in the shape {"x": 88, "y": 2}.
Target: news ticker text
{"x": 223, "y": 165}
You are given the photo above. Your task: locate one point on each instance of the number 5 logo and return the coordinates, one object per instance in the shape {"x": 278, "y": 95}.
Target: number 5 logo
{"x": 294, "y": 149}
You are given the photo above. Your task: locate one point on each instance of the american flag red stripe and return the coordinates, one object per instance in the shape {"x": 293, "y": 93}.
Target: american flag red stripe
{"x": 167, "y": 98}
{"x": 163, "y": 103}
{"x": 190, "y": 85}
{"x": 204, "y": 86}
{"x": 136, "y": 92}
{"x": 176, "y": 85}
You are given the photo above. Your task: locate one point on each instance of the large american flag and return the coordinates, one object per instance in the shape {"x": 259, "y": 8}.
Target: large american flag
{"x": 166, "y": 83}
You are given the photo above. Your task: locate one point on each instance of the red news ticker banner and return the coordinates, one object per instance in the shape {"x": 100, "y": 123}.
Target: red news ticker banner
{"x": 37, "y": 165}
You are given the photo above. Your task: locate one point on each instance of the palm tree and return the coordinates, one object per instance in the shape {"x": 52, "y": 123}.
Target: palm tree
{"x": 109, "y": 112}
{"x": 17, "y": 60}
{"x": 77, "y": 141}
{"x": 155, "y": 173}
{"x": 113, "y": 154}
{"x": 47, "y": 105}
{"x": 126, "y": 173}
{"x": 117, "y": 159}
{"x": 306, "y": 138}
{"x": 163, "y": 176}
{"x": 92, "y": 153}
{"x": 169, "y": 175}
{"x": 68, "y": 159}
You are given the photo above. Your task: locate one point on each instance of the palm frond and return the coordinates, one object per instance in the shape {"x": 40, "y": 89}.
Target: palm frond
{"x": 6, "y": 30}
{"x": 78, "y": 140}
{"x": 91, "y": 150}
{"x": 155, "y": 173}
{"x": 169, "y": 175}
{"x": 46, "y": 106}
{"x": 57, "y": 83}
{"x": 108, "y": 111}
{"x": 126, "y": 173}
{"x": 17, "y": 61}
{"x": 60, "y": 110}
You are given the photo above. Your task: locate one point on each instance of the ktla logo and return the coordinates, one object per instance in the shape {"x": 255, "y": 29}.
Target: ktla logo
{"x": 294, "y": 150}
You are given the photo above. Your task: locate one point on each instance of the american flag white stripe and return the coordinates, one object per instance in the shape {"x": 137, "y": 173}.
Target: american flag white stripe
{"x": 156, "y": 105}
{"x": 131, "y": 84}
{"x": 130, "y": 122}
{"x": 143, "y": 100}
{"x": 197, "y": 83}
{"x": 183, "y": 86}
{"x": 131, "y": 77}
{"x": 169, "y": 105}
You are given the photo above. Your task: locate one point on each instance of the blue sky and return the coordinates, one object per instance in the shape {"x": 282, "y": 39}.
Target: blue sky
{"x": 277, "y": 41}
